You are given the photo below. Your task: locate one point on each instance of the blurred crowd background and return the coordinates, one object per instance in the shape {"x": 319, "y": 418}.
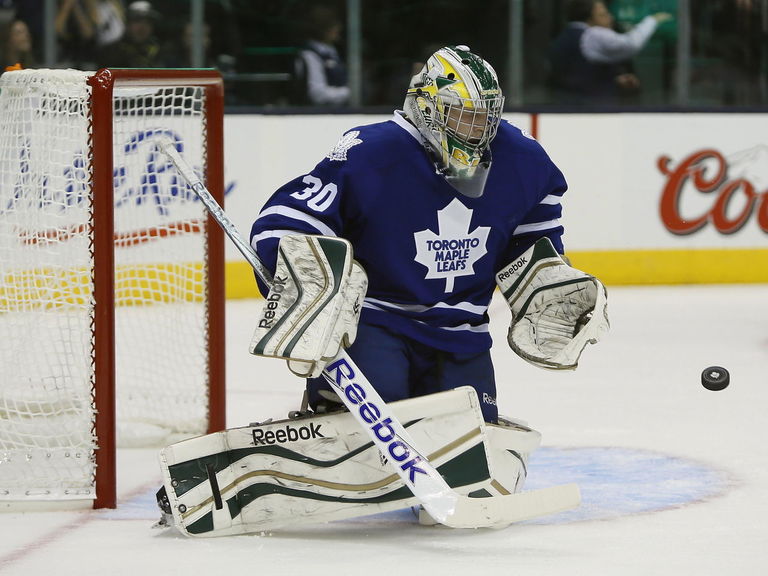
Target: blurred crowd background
{"x": 709, "y": 54}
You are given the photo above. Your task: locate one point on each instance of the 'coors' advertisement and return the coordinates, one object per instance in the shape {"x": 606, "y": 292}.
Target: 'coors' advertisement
{"x": 707, "y": 188}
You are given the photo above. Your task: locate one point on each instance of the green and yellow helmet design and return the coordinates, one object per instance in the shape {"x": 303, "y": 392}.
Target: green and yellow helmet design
{"x": 455, "y": 102}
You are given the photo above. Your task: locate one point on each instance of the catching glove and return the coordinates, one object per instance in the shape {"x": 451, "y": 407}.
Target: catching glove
{"x": 556, "y": 310}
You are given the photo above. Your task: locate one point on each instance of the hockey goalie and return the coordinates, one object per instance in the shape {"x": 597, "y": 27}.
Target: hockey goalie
{"x": 380, "y": 265}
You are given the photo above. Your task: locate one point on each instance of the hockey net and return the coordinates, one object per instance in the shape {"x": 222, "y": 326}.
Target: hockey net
{"x": 111, "y": 276}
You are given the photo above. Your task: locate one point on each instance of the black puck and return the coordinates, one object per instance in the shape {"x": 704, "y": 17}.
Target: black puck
{"x": 715, "y": 378}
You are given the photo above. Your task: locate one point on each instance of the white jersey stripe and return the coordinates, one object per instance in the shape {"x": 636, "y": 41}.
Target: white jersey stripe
{"x": 536, "y": 227}
{"x": 270, "y": 234}
{"x": 482, "y": 328}
{"x": 298, "y": 215}
{"x": 465, "y": 306}
{"x": 551, "y": 200}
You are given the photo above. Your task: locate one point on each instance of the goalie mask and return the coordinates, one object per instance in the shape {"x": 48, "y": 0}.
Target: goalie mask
{"x": 455, "y": 102}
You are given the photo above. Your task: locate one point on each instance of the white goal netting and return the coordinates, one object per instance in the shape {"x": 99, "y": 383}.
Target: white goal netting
{"x": 48, "y": 379}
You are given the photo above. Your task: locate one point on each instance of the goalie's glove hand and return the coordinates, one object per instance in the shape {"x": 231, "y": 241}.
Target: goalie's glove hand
{"x": 314, "y": 305}
{"x": 556, "y": 310}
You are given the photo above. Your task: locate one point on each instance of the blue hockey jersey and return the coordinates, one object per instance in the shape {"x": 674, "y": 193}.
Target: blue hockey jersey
{"x": 431, "y": 253}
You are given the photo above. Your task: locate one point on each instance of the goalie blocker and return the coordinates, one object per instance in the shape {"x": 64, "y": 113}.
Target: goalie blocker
{"x": 314, "y": 304}
{"x": 324, "y": 467}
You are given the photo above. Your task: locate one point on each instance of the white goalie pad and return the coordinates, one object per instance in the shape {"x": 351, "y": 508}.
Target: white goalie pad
{"x": 324, "y": 467}
{"x": 314, "y": 304}
{"x": 556, "y": 309}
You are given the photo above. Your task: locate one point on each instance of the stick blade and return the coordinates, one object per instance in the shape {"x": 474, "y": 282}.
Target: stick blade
{"x": 501, "y": 511}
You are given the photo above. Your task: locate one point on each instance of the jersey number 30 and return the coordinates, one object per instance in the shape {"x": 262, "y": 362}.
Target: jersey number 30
{"x": 318, "y": 197}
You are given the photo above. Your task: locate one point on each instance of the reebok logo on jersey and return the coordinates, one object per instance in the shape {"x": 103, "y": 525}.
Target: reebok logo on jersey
{"x": 287, "y": 434}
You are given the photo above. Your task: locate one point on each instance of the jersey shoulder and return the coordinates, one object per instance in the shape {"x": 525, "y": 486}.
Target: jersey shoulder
{"x": 518, "y": 147}
{"x": 514, "y": 136}
{"x": 370, "y": 143}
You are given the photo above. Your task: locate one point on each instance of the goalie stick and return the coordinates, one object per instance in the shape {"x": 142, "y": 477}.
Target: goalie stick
{"x": 388, "y": 434}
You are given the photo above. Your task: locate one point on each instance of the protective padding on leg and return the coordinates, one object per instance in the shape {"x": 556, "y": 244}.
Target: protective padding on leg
{"x": 509, "y": 444}
{"x": 323, "y": 468}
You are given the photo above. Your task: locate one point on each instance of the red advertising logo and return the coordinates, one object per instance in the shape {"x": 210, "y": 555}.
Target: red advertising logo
{"x": 729, "y": 182}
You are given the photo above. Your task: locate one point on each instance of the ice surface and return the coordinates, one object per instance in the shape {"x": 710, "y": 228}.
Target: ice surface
{"x": 674, "y": 477}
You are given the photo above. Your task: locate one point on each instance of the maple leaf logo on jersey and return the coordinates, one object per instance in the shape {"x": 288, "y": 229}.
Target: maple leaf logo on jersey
{"x": 339, "y": 152}
{"x": 453, "y": 251}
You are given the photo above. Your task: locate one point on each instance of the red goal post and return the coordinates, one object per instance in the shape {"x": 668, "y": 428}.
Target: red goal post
{"x": 111, "y": 275}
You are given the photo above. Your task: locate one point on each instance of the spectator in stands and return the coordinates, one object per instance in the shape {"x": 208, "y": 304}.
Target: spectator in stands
{"x": 16, "y": 45}
{"x": 138, "y": 47}
{"x": 591, "y": 62}
{"x": 31, "y": 12}
{"x": 76, "y": 30}
{"x": 320, "y": 73}
{"x": 110, "y": 21}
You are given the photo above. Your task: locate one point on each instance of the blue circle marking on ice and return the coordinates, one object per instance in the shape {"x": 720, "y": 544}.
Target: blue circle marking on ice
{"x": 614, "y": 482}
{"x": 139, "y": 506}
{"x": 617, "y": 482}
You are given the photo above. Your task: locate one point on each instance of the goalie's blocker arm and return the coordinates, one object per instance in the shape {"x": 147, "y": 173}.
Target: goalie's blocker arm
{"x": 314, "y": 304}
{"x": 556, "y": 309}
